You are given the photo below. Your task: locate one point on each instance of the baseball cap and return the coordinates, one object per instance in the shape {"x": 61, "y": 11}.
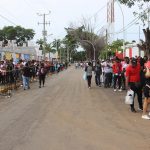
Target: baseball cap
{"x": 133, "y": 61}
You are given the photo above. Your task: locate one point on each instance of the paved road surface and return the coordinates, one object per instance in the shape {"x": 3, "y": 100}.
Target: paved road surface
{"x": 66, "y": 115}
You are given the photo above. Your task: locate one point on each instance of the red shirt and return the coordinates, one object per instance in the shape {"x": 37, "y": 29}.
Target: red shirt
{"x": 117, "y": 68}
{"x": 133, "y": 73}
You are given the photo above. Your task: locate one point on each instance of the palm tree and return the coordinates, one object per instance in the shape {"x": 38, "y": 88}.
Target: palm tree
{"x": 49, "y": 48}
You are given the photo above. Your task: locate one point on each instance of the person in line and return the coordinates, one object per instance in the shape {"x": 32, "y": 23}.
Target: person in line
{"x": 133, "y": 82}
{"x": 124, "y": 66}
{"x": 98, "y": 72}
{"x": 107, "y": 73}
{"x": 42, "y": 75}
{"x": 88, "y": 71}
{"x": 26, "y": 76}
{"x": 146, "y": 92}
{"x": 117, "y": 69}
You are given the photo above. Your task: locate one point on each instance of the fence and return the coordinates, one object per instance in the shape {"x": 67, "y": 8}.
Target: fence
{"x": 12, "y": 80}
{"x": 9, "y": 80}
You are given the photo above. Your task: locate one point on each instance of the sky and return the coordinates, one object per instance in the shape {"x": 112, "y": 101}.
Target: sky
{"x": 62, "y": 13}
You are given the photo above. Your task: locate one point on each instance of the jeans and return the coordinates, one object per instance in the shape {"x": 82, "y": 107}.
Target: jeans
{"x": 25, "y": 82}
{"x": 117, "y": 78}
{"x": 108, "y": 79}
{"x": 97, "y": 79}
{"x": 89, "y": 80}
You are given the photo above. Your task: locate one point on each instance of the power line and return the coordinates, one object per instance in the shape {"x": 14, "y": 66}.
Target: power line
{"x": 30, "y": 6}
{"x": 97, "y": 12}
{"x": 130, "y": 24}
{"x": 7, "y": 19}
{"x": 11, "y": 14}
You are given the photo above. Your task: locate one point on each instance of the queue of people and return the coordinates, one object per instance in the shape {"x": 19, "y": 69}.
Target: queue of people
{"x": 26, "y": 72}
{"x": 128, "y": 74}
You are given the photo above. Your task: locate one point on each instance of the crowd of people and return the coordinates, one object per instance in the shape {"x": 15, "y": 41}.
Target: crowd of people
{"x": 127, "y": 74}
{"x": 26, "y": 71}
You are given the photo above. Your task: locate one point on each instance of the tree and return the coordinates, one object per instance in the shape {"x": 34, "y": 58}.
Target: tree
{"x": 9, "y": 32}
{"x": 116, "y": 45}
{"x": 40, "y": 42}
{"x": 18, "y": 33}
{"x": 79, "y": 56}
{"x": 49, "y": 48}
{"x": 1, "y": 35}
{"x": 70, "y": 44}
{"x": 131, "y": 3}
{"x": 143, "y": 14}
{"x": 87, "y": 39}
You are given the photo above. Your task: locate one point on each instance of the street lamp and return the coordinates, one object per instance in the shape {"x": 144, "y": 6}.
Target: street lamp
{"x": 92, "y": 46}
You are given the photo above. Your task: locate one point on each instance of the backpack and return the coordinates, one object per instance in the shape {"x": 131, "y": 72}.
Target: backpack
{"x": 42, "y": 71}
{"x": 98, "y": 69}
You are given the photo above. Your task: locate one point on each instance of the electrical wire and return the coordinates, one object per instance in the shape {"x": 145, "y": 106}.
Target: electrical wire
{"x": 130, "y": 24}
{"x": 97, "y": 12}
{"x": 5, "y": 18}
{"x": 10, "y": 13}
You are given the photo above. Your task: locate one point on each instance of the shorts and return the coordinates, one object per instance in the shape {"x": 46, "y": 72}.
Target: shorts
{"x": 146, "y": 92}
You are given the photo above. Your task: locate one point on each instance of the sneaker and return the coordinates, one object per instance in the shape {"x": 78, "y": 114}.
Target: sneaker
{"x": 145, "y": 117}
{"x": 120, "y": 90}
{"x": 133, "y": 110}
{"x": 115, "y": 90}
{"x": 140, "y": 109}
{"x": 89, "y": 87}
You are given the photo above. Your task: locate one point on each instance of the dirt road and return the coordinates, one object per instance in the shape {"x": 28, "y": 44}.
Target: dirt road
{"x": 66, "y": 115}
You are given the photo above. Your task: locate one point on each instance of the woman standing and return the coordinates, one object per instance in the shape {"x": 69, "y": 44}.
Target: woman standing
{"x": 146, "y": 92}
{"x": 88, "y": 71}
{"x": 42, "y": 74}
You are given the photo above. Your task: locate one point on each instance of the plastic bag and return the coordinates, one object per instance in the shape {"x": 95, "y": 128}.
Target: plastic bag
{"x": 129, "y": 97}
{"x": 84, "y": 76}
{"x": 147, "y": 74}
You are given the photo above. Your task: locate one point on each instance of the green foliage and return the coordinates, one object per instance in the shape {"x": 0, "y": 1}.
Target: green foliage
{"x": 79, "y": 56}
{"x": 143, "y": 11}
{"x": 131, "y": 3}
{"x": 116, "y": 45}
{"x": 18, "y": 33}
{"x": 50, "y": 48}
{"x": 86, "y": 38}
{"x": 41, "y": 43}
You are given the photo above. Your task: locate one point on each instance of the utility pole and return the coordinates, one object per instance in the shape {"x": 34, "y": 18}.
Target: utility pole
{"x": 44, "y": 32}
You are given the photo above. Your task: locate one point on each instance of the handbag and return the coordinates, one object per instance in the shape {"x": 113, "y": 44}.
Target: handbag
{"x": 84, "y": 76}
{"x": 129, "y": 97}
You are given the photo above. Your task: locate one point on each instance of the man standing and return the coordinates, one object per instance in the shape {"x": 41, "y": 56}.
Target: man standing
{"x": 98, "y": 72}
{"x": 88, "y": 70}
{"x": 133, "y": 82}
{"x": 26, "y": 76}
{"x": 107, "y": 73}
{"x": 42, "y": 74}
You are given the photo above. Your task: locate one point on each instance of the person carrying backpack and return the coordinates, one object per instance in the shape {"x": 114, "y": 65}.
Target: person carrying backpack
{"x": 42, "y": 75}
